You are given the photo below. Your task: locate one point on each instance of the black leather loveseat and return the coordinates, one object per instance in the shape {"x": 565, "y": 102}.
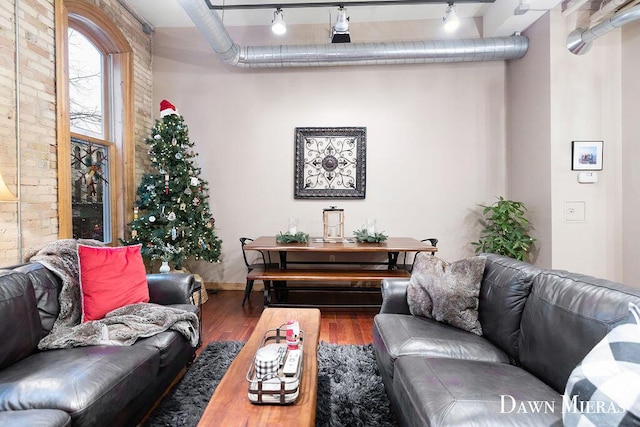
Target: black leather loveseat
{"x": 82, "y": 386}
{"x": 537, "y": 326}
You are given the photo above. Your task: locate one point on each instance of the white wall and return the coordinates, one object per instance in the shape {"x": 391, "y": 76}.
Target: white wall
{"x": 556, "y": 97}
{"x": 435, "y": 136}
{"x": 586, "y": 105}
{"x": 631, "y": 153}
{"x": 528, "y": 136}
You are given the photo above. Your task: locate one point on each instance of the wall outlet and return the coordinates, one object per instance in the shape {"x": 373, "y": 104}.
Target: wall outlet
{"x": 332, "y": 258}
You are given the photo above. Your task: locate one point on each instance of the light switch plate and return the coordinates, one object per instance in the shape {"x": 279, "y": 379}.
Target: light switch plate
{"x": 574, "y": 211}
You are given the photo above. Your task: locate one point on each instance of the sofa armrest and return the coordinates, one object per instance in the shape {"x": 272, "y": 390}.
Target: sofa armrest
{"x": 172, "y": 288}
{"x": 394, "y": 296}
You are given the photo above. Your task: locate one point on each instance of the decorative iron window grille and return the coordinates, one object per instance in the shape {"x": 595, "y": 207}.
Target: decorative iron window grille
{"x": 91, "y": 207}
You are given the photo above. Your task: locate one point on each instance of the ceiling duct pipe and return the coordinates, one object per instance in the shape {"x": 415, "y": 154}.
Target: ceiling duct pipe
{"x": 579, "y": 41}
{"x": 467, "y": 50}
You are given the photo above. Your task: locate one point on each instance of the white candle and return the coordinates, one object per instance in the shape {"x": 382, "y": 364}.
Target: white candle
{"x": 293, "y": 225}
{"x": 371, "y": 226}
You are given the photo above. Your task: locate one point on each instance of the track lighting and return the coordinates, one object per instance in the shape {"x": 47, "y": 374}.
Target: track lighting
{"x": 340, "y": 30}
{"x": 278, "y": 26}
{"x": 451, "y": 20}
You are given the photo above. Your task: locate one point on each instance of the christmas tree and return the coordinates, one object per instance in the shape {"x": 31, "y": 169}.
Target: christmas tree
{"x": 172, "y": 219}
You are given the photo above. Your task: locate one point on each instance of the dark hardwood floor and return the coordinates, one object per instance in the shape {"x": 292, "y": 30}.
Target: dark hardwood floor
{"x": 225, "y": 319}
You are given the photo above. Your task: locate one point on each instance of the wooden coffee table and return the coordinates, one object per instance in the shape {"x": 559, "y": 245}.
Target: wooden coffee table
{"x": 230, "y": 406}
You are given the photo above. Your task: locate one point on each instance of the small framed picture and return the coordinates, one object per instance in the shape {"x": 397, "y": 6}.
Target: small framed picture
{"x": 586, "y": 155}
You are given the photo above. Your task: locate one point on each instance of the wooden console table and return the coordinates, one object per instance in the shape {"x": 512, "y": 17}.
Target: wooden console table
{"x": 230, "y": 406}
{"x": 326, "y": 271}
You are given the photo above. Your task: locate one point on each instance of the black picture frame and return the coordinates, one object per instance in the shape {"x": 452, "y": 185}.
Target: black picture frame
{"x": 587, "y": 155}
{"x": 330, "y": 162}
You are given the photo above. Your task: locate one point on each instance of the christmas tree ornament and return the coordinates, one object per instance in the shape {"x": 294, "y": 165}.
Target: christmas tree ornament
{"x": 194, "y": 181}
{"x": 171, "y": 216}
{"x": 162, "y": 215}
{"x": 178, "y": 156}
{"x": 174, "y": 233}
{"x": 152, "y": 218}
{"x": 187, "y": 191}
{"x": 135, "y": 212}
{"x": 157, "y": 137}
{"x": 183, "y": 206}
{"x": 196, "y": 201}
{"x": 174, "y": 141}
{"x": 166, "y": 183}
{"x": 134, "y": 233}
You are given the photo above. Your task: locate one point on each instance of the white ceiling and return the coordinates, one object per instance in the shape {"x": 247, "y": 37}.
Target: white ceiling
{"x": 499, "y": 18}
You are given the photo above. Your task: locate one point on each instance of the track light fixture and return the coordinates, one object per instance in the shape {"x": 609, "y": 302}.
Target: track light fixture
{"x": 340, "y": 30}
{"x": 278, "y": 26}
{"x": 451, "y": 19}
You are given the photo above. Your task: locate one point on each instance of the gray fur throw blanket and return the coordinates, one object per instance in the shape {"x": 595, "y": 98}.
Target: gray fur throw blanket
{"x": 122, "y": 326}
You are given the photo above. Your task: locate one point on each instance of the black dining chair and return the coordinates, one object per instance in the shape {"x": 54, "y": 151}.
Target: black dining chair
{"x": 409, "y": 267}
{"x": 252, "y": 265}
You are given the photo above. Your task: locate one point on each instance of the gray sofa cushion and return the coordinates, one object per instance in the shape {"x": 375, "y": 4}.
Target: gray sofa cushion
{"x": 397, "y": 335}
{"x": 92, "y": 384}
{"x": 566, "y": 315}
{"x": 21, "y": 329}
{"x": 505, "y": 287}
{"x": 46, "y": 286}
{"x": 168, "y": 343}
{"x": 453, "y": 392}
{"x": 35, "y": 418}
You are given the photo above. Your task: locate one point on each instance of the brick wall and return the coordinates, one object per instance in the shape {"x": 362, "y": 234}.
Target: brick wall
{"x": 37, "y": 116}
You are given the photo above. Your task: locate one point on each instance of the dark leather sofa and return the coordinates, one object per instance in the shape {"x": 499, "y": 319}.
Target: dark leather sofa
{"x": 83, "y": 386}
{"x": 537, "y": 326}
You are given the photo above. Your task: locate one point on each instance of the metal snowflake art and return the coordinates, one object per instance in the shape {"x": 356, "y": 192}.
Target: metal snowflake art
{"x": 330, "y": 163}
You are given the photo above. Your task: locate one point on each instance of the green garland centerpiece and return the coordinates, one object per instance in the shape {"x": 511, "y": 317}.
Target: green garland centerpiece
{"x": 287, "y": 237}
{"x": 363, "y": 236}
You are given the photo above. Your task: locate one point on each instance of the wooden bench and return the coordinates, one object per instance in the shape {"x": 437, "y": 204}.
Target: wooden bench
{"x": 274, "y": 275}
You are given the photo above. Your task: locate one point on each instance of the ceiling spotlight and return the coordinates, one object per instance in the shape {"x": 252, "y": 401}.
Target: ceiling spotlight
{"x": 340, "y": 30}
{"x": 278, "y": 25}
{"x": 451, "y": 20}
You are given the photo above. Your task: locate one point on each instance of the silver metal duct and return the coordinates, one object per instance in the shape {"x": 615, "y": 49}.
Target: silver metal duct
{"x": 579, "y": 41}
{"x": 416, "y": 52}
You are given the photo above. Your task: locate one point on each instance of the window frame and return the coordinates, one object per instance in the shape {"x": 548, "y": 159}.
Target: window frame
{"x": 95, "y": 24}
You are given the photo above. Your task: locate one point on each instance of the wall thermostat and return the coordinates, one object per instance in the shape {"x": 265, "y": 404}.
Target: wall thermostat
{"x": 587, "y": 177}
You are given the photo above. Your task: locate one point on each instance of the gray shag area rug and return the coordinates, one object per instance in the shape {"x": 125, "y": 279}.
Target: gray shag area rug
{"x": 350, "y": 389}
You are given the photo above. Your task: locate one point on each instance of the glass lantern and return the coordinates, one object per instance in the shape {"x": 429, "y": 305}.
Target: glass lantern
{"x": 333, "y": 222}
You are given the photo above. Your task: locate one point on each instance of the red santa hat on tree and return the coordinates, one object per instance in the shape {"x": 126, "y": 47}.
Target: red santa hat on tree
{"x": 167, "y": 108}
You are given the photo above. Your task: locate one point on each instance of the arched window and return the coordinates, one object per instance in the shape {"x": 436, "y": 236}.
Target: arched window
{"x": 95, "y": 123}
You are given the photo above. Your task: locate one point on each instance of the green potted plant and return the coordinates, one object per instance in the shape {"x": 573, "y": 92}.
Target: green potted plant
{"x": 505, "y": 230}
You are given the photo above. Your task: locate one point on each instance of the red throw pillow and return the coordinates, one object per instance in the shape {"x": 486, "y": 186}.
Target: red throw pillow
{"x": 110, "y": 278}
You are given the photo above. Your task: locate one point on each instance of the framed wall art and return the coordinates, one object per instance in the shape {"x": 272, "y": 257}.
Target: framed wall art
{"x": 586, "y": 155}
{"x": 330, "y": 163}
